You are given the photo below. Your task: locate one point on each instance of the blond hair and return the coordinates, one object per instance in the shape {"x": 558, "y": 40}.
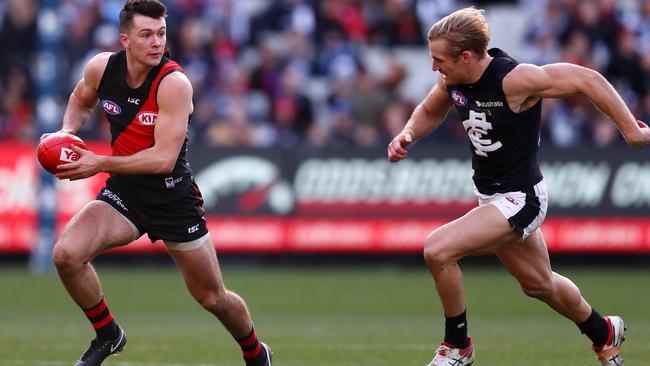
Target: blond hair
{"x": 465, "y": 29}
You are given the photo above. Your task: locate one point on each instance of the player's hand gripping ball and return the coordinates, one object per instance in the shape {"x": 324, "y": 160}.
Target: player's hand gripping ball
{"x": 54, "y": 150}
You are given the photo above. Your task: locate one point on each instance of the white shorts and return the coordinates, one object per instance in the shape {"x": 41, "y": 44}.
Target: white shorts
{"x": 525, "y": 211}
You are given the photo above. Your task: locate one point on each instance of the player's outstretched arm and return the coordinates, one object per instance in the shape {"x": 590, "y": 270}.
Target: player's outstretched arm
{"x": 426, "y": 117}
{"x": 527, "y": 83}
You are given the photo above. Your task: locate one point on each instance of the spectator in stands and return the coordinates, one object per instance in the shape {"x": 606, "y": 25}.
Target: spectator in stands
{"x": 193, "y": 52}
{"x": 367, "y": 102}
{"x": 344, "y": 16}
{"x": 297, "y": 15}
{"x": 16, "y": 107}
{"x": 292, "y": 113}
{"x": 397, "y": 25}
{"x": 17, "y": 35}
{"x": 337, "y": 58}
{"x": 325, "y": 41}
{"x": 18, "y": 39}
{"x": 265, "y": 77}
{"x": 625, "y": 63}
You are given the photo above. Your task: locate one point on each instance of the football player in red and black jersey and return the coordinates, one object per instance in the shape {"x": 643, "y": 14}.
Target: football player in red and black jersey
{"x": 147, "y": 99}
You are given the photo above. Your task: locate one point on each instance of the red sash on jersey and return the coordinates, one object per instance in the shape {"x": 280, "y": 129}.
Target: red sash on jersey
{"x": 139, "y": 134}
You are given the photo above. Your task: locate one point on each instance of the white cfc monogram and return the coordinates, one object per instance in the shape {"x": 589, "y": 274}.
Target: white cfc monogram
{"x": 476, "y": 126}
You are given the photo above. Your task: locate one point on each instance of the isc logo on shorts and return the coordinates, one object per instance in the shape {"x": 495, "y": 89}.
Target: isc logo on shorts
{"x": 193, "y": 229}
{"x": 147, "y": 118}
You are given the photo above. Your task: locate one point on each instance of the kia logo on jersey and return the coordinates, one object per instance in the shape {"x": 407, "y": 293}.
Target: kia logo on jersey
{"x": 111, "y": 107}
{"x": 458, "y": 98}
{"x": 147, "y": 118}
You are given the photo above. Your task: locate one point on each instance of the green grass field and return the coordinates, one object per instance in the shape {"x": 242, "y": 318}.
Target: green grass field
{"x": 320, "y": 317}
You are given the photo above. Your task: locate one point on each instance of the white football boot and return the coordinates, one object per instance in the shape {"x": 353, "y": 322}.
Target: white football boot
{"x": 447, "y": 355}
{"x": 610, "y": 353}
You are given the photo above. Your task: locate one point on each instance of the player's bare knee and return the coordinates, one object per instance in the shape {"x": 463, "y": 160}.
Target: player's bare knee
{"x": 64, "y": 258}
{"x": 436, "y": 256}
{"x": 214, "y": 302}
{"x": 540, "y": 290}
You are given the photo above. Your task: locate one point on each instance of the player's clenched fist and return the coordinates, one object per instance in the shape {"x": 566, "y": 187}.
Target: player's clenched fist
{"x": 397, "y": 147}
{"x": 641, "y": 138}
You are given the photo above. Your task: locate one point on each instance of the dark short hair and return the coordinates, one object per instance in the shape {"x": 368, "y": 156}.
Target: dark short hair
{"x": 149, "y": 8}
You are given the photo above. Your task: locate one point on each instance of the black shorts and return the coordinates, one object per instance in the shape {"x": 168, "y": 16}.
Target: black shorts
{"x": 179, "y": 219}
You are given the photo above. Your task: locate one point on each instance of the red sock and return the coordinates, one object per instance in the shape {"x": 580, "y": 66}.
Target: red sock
{"x": 250, "y": 346}
{"x": 102, "y": 320}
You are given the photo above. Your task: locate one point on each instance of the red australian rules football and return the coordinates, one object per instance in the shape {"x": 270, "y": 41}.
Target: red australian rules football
{"x": 55, "y": 150}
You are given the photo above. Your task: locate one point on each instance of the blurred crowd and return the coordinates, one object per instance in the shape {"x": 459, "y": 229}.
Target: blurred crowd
{"x": 299, "y": 72}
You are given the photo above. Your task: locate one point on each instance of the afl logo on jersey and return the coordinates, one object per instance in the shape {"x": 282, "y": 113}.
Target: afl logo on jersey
{"x": 458, "y": 98}
{"x": 147, "y": 118}
{"x": 111, "y": 107}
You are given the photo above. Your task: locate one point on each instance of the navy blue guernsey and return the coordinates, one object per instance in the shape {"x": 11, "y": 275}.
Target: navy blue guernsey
{"x": 132, "y": 114}
{"x": 504, "y": 144}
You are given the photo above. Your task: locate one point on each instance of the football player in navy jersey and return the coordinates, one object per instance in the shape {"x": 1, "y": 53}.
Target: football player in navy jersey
{"x": 147, "y": 99}
{"x": 499, "y": 101}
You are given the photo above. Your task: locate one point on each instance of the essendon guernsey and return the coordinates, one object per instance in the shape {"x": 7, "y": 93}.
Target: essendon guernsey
{"x": 132, "y": 114}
